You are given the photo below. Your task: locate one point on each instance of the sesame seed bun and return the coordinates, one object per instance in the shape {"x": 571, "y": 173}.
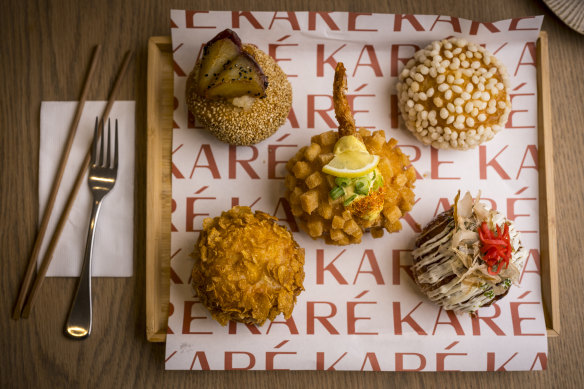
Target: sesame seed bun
{"x": 238, "y": 126}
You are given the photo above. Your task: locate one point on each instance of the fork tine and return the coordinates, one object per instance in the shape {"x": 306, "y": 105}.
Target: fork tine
{"x": 100, "y": 163}
{"x": 109, "y": 138}
{"x": 116, "y": 148}
{"x": 94, "y": 142}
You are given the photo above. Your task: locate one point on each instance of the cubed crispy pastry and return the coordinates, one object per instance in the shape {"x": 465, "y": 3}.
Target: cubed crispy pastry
{"x": 308, "y": 187}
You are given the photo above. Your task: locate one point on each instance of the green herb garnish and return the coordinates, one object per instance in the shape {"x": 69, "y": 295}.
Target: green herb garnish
{"x": 336, "y": 192}
{"x": 342, "y": 181}
{"x": 349, "y": 200}
{"x": 362, "y": 186}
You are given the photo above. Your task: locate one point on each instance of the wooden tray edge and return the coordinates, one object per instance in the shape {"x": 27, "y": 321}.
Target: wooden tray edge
{"x": 158, "y": 193}
{"x": 547, "y": 198}
{"x": 156, "y": 325}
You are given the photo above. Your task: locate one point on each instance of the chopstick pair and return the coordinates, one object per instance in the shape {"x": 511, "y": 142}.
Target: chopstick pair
{"x": 21, "y": 309}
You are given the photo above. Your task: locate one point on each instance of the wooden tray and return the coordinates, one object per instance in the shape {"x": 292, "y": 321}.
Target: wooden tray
{"x": 159, "y": 191}
{"x": 158, "y": 185}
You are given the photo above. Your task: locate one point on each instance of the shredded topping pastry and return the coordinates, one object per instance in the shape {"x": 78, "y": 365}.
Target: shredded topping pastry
{"x": 459, "y": 261}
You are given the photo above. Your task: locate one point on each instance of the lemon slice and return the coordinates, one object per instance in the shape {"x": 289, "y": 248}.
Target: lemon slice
{"x": 351, "y": 164}
{"x": 349, "y": 143}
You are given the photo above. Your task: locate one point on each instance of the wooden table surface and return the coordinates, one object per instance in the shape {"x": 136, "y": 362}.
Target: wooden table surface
{"x": 44, "y": 55}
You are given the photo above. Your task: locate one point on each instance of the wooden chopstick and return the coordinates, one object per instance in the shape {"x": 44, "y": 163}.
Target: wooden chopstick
{"x": 56, "y": 184}
{"x": 78, "y": 181}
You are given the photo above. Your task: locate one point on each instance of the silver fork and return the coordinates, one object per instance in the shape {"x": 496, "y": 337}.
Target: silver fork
{"x": 102, "y": 178}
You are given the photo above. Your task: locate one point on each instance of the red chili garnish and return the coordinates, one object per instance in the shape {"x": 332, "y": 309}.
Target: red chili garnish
{"x": 496, "y": 248}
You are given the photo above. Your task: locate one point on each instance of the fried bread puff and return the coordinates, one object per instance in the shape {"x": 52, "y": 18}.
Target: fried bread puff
{"x": 247, "y": 267}
{"x": 454, "y": 94}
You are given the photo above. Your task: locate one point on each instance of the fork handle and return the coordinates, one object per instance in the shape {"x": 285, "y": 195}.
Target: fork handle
{"x": 78, "y": 325}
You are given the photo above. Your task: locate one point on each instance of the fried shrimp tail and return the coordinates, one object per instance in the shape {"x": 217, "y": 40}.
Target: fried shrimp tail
{"x": 342, "y": 110}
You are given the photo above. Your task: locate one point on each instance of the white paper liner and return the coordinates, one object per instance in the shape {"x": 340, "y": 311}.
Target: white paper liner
{"x": 378, "y": 318}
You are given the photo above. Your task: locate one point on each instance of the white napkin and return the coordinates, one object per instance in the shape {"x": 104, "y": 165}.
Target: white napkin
{"x": 113, "y": 245}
